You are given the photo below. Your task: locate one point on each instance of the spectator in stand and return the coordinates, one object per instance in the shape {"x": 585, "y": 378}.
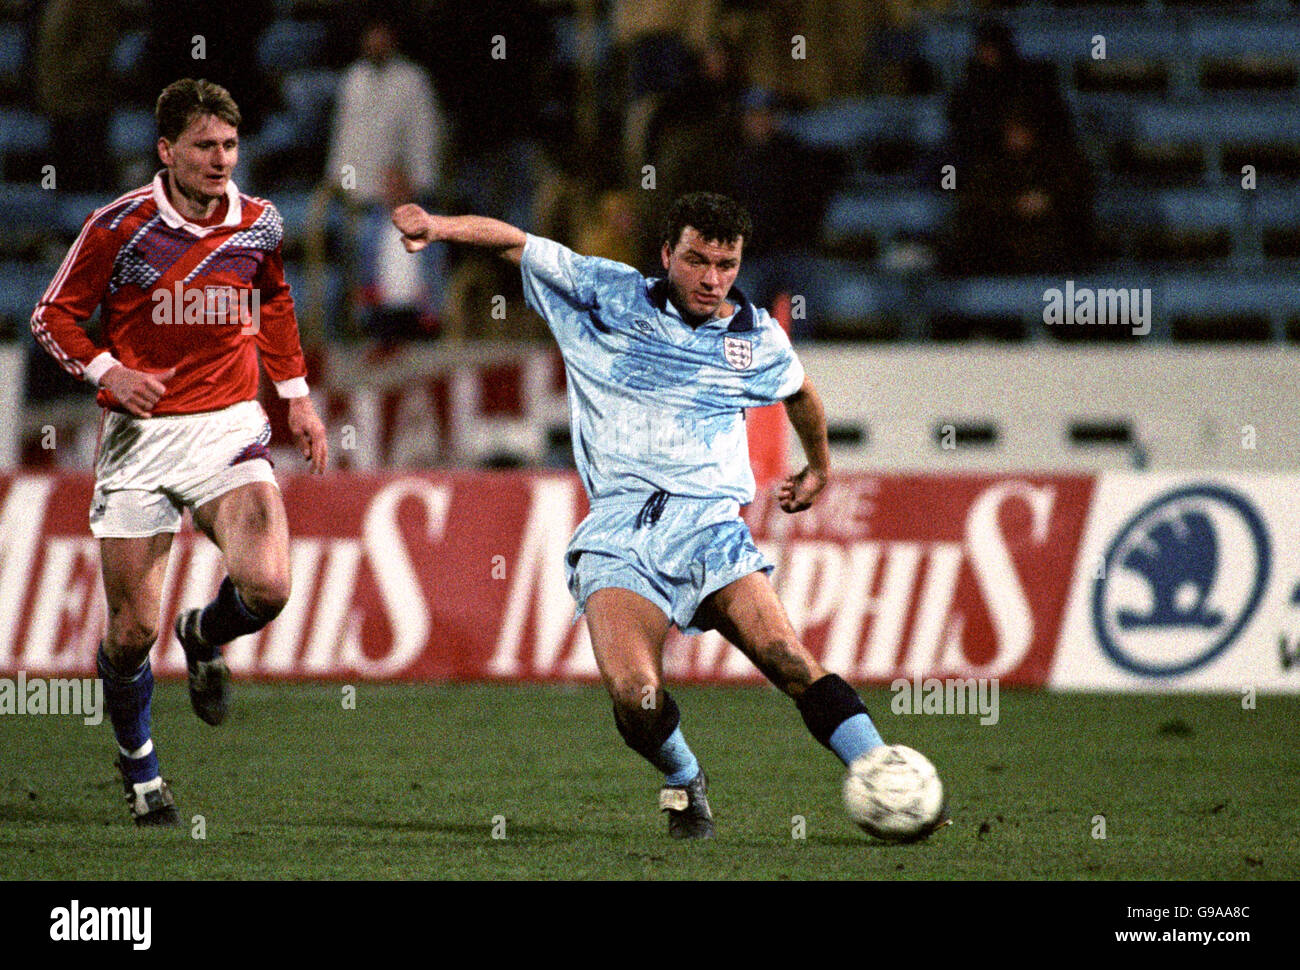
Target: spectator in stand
{"x": 73, "y": 54}
{"x": 1026, "y": 208}
{"x": 783, "y": 184}
{"x": 656, "y": 40}
{"x": 998, "y": 78}
{"x": 386, "y": 146}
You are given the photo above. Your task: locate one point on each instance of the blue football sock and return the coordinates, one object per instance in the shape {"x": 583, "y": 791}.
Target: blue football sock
{"x": 129, "y": 700}
{"x": 855, "y": 737}
{"x": 676, "y": 760}
{"x": 226, "y": 618}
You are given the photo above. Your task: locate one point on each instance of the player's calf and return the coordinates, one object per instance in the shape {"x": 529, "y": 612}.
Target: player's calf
{"x": 652, "y": 728}
{"x": 203, "y": 632}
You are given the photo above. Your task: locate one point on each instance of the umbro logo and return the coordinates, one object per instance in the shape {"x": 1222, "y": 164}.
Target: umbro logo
{"x": 645, "y": 326}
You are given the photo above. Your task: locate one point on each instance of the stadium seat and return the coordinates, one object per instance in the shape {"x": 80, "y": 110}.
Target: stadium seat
{"x": 128, "y": 55}
{"x": 845, "y": 124}
{"x": 1218, "y": 307}
{"x": 845, "y": 300}
{"x": 290, "y": 45}
{"x": 23, "y": 131}
{"x": 73, "y": 208}
{"x": 21, "y": 287}
{"x": 884, "y": 216}
{"x": 568, "y": 39}
{"x": 26, "y": 207}
{"x": 13, "y": 52}
{"x": 308, "y": 94}
{"x": 131, "y": 133}
{"x": 1217, "y": 121}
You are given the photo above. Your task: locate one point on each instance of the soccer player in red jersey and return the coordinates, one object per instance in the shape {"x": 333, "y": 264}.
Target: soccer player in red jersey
{"x": 188, "y": 275}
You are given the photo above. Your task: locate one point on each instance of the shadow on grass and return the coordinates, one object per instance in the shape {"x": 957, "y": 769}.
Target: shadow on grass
{"x": 469, "y": 831}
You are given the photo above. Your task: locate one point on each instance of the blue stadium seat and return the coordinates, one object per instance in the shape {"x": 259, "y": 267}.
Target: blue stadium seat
{"x": 884, "y": 214}
{"x": 21, "y": 287}
{"x": 281, "y": 133}
{"x": 308, "y": 94}
{"x": 26, "y": 207}
{"x": 290, "y": 45}
{"x": 841, "y": 291}
{"x": 567, "y": 41}
{"x": 1017, "y": 296}
{"x": 23, "y": 131}
{"x": 1206, "y": 296}
{"x": 1239, "y": 38}
{"x": 13, "y": 51}
{"x": 129, "y": 53}
{"x": 848, "y": 123}
{"x": 1218, "y": 121}
{"x": 73, "y": 208}
{"x": 132, "y": 132}
{"x": 1275, "y": 207}
{"x": 1194, "y": 208}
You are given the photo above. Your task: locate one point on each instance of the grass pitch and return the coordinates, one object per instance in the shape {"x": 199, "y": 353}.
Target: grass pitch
{"x": 414, "y": 784}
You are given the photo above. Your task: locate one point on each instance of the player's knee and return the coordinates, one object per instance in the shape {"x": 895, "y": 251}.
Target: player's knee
{"x": 266, "y": 593}
{"x": 131, "y": 635}
{"x": 645, "y": 727}
{"x": 636, "y": 696}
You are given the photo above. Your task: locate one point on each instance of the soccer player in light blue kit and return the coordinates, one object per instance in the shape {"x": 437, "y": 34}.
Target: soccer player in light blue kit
{"x": 660, "y": 373}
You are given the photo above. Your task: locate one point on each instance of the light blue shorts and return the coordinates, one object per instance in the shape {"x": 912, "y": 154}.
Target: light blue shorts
{"x": 670, "y": 549}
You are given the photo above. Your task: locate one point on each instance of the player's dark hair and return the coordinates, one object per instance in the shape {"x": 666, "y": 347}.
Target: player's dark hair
{"x": 184, "y": 100}
{"x": 717, "y": 218}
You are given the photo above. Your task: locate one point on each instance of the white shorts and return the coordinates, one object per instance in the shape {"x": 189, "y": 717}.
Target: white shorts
{"x": 148, "y": 470}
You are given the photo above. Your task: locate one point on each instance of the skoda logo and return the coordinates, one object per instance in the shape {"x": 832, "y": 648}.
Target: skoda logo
{"x": 1181, "y": 581}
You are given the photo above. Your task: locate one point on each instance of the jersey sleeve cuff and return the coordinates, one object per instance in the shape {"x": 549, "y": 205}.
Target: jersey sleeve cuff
{"x": 100, "y": 366}
{"x": 793, "y": 380}
{"x": 293, "y": 387}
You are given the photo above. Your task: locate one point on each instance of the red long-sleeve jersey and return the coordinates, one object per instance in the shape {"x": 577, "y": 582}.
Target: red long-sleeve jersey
{"x": 204, "y": 299}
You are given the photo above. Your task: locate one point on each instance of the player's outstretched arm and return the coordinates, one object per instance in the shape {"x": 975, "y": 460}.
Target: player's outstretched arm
{"x": 419, "y": 228}
{"x": 808, "y": 417}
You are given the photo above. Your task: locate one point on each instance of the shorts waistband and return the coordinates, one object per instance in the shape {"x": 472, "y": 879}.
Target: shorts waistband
{"x": 180, "y": 417}
{"x": 638, "y": 500}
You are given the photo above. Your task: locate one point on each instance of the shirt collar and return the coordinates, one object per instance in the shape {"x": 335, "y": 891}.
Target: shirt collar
{"x": 174, "y": 219}
{"x": 741, "y": 320}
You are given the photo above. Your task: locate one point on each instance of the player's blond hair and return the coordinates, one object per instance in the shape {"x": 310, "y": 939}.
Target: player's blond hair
{"x": 184, "y": 100}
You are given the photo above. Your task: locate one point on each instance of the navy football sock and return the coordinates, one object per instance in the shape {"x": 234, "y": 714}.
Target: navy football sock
{"x": 658, "y": 738}
{"x": 129, "y": 699}
{"x": 226, "y": 618}
{"x": 837, "y": 718}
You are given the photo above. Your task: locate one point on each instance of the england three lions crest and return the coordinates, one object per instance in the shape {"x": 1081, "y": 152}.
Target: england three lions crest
{"x": 738, "y": 352}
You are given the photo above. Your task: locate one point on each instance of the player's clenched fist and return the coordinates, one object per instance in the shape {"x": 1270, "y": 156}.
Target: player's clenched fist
{"x": 136, "y": 390}
{"x": 799, "y": 491}
{"x": 416, "y": 226}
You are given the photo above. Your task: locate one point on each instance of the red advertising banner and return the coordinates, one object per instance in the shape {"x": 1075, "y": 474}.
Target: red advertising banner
{"x": 459, "y": 576}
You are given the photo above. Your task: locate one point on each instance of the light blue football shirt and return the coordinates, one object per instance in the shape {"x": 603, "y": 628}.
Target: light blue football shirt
{"x": 655, "y": 404}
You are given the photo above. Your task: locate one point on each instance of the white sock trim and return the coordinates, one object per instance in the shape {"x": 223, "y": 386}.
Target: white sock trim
{"x": 143, "y": 751}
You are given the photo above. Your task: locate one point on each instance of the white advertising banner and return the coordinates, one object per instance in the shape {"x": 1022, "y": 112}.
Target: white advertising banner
{"x": 1186, "y": 582}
